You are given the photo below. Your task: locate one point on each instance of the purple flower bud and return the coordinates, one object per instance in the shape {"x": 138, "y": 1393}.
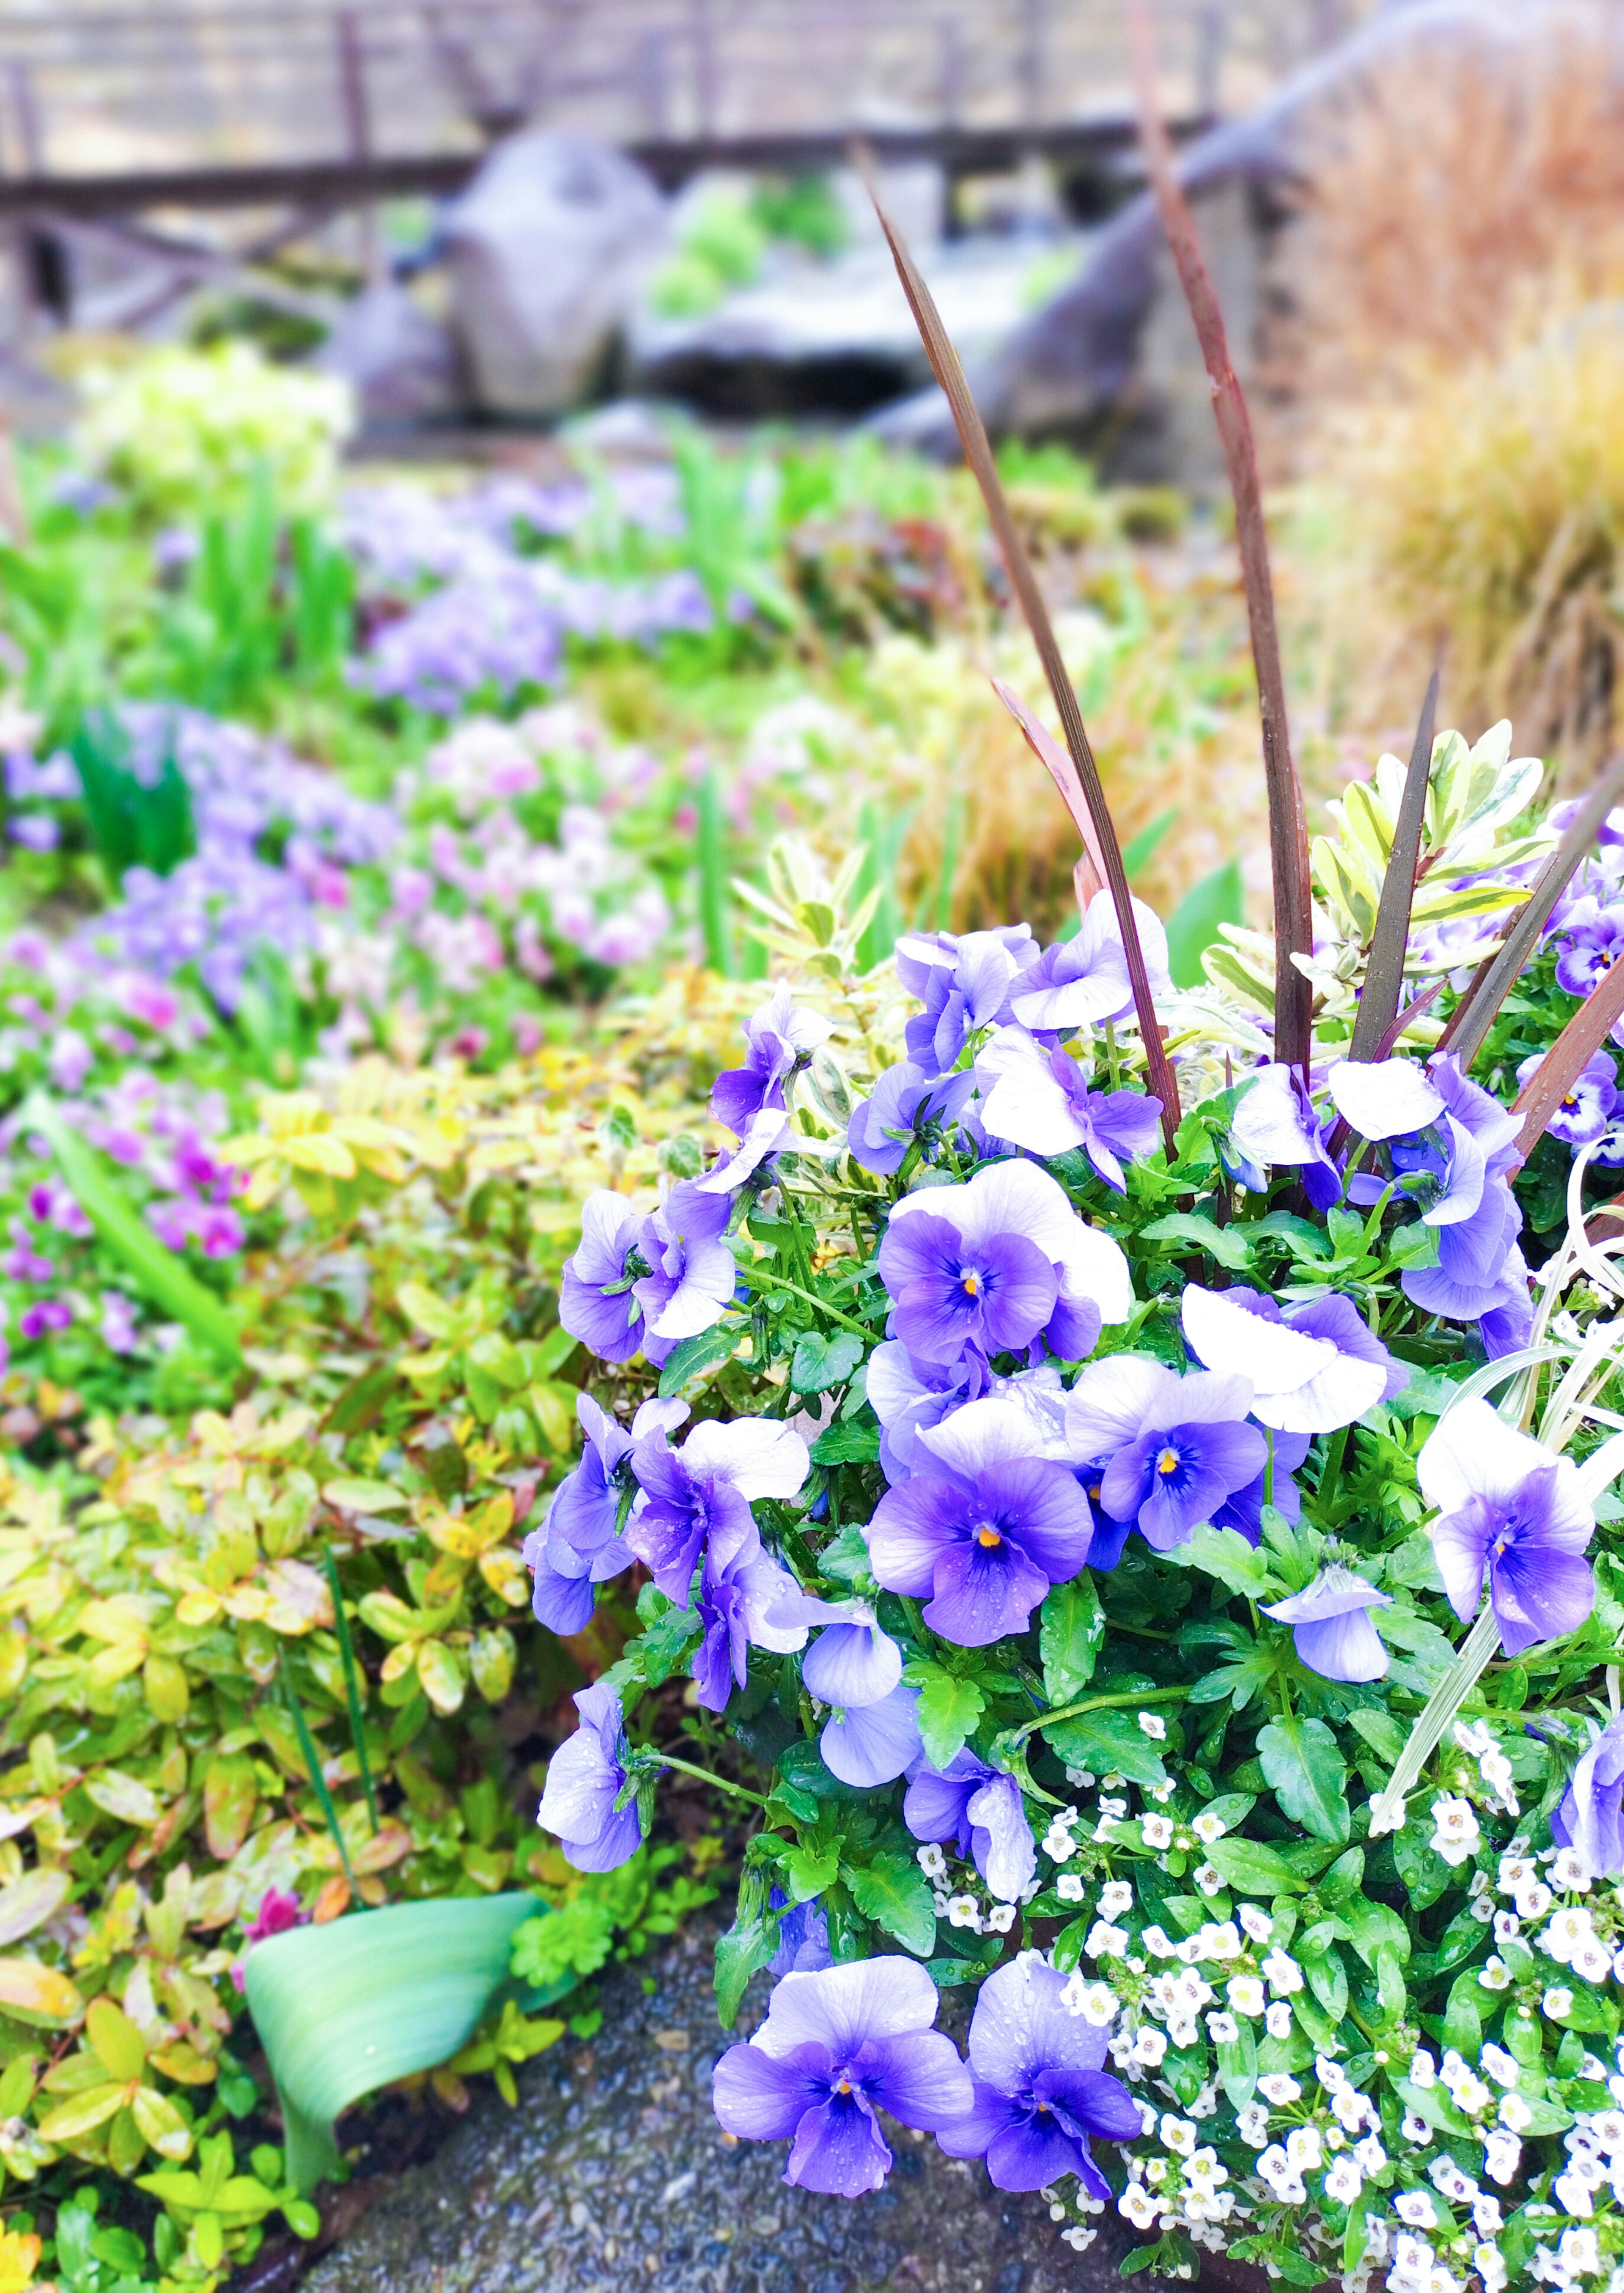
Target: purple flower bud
{"x": 1331, "y": 1627}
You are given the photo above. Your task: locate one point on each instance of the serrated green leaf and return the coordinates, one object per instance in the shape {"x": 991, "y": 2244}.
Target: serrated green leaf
{"x": 894, "y": 1894}
{"x": 1226, "y": 1243}
{"x": 818, "y": 1363}
{"x": 1072, "y": 1625}
{"x": 691, "y": 1357}
{"x": 948, "y": 1711}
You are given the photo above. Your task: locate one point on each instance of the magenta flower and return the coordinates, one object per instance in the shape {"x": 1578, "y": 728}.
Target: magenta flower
{"x": 980, "y": 1809}
{"x": 1176, "y": 1446}
{"x": 984, "y": 1527}
{"x": 837, "y": 2047}
{"x": 1040, "y": 2092}
{"x": 587, "y": 1778}
{"x": 1331, "y": 1628}
{"x": 1513, "y": 1510}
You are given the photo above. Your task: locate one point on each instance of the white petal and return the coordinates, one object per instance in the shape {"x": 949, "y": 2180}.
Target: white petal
{"x": 1091, "y": 1265}
{"x": 698, "y": 1301}
{"x": 768, "y": 1134}
{"x": 760, "y": 1456}
{"x": 1276, "y": 1357}
{"x": 1107, "y": 1407}
{"x": 984, "y": 1433}
{"x": 1027, "y": 1107}
{"x": 1473, "y": 1451}
{"x": 1383, "y": 1098}
{"x": 1339, "y": 1394}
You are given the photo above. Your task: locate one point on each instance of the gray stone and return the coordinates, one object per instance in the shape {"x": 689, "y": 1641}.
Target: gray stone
{"x": 612, "y": 2173}
{"x": 547, "y": 251}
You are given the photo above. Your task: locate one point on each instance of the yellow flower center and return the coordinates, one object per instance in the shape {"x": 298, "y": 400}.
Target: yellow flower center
{"x": 972, "y": 1285}
{"x": 1168, "y": 1462}
{"x": 988, "y": 1536}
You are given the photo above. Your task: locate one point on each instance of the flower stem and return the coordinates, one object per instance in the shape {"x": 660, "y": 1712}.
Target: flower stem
{"x": 760, "y": 1281}
{"x": 1101, "y": 1704}
{"x": 721, "y": 1783}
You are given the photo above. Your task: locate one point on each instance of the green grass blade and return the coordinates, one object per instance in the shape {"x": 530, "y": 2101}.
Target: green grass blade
{"x": 353, "y": 1690}
{"x": 343, "y": 2009}
{"x": 1194, "y": 925}
{"x": 1135, "y": 854}
{"x": 312, "y": 1761}
{"x": 156, "y": 1271}
{"x": 712, "y": 880}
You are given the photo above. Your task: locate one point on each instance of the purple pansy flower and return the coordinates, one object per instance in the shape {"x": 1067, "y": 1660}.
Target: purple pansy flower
{"x": 1594, "y": 941}
{"x": 597, "y": 1301}
{"x": 586, "y": 1777}
{"x": 1080, "y": 981}
{"x": 996, "y": 1262}
{"x": 1510, "y": 1507}
{"x": 803, "y": 1936}
{"x": 1178, "y": 1446}
{"x": 1331, "y": 1628}
{"x": 984, "y": 1527}
{"x": 963, "y": 981}
{"x": 1041, "y": 1101}
{"x": 692, "y": 1271}
{"x": 779, "y": 1038}
{"x": 746, "y": 1599}
{"x": 1242, "y": 1510}
{"x": 1041, "y": 2092}
{"x": 906, "y": 1395}
{"x": 576, "y": 1548}
{"x": 1274, "y": 1124}
{"x": 851, "y": 1661}
{"x": 1313, "y": 1367}
{"x": 866, "y": 1745}
{"x": 837, "y": 2045}
{"x": 704, "y": 1490}
{"x": 981, "y": 1810}
{"x": 1588, "y": 1109}
{"x": 903, "y": 1101}
{"x": 1591, "y": 1816}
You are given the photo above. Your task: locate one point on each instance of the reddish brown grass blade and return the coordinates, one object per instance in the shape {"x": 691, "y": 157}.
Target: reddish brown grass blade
{"x": 1491, "y": 982}
{"x": 1090, "y": 869}
{"x": 973, "y": 436}
{"x": 1288, "y": 827}
{"x": 1562, "y": 1064}
{"x": 1383, "y": 980}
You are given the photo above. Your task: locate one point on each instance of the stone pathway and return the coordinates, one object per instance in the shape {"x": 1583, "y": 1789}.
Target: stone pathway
{"x": 612, "y": 2173}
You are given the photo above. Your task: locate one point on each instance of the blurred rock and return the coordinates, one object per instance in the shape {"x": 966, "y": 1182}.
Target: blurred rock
{"x": 403, "y": 366}
{"x": 548, "y": 250}
{"x": 613, "y": 2172}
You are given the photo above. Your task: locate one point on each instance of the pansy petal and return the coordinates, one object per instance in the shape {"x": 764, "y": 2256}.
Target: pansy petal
{"x": 1382, "y": 1098}
{"x": 839, "y": 2150}
{"x": 873, "y": 1744}
{"x": 841, "y": 2006}
{"x": 763, "y": 2098}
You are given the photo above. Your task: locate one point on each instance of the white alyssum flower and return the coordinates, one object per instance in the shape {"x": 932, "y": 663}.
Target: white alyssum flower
{"x": 1496, "y": 1974}
{"x": 1222, "y": 2030}
{"x": 1557, "y": 2002}
{"x": 1257, "y": 1924}
{"x": 1502, "y": 2155}
{"x": 1208, "y": 1878}
{"x": 1422, "y": 2069}
{"x": 1245, "y": 1993}
{"x": 1456, "y": 1833}
{"x": 1369, "y": 2156}
{"x": 1208, "y": 1826}
{"x": 1447, "y": 2178}
{"x": 1506, "y": 1925}
{"x": 1279, "y": 2087}
{"x": 930, "y": 1859}
{"x": 1058, "y": 1842}
{"x": 1157, "y": 1831}
{"x": 1490, "y": 2264}
{"x": 1579, "y": 2253}
{"x": 1514, "y": 2113}
{"x": 1350, "y": 2109}
{"x": 1137, "y": 2206}
{"x": 1532, "y": 1898}
{"x": 1284, "y": 2181}
{"x": 1252, "y": 2124}
{"x": 1514, "y": 1871}
{"x": 1150, "y": 2047}
{"x": 1415, "y": 2129}
{"x": 1283, "y": 1973}
{"x": 1343, "y": 2182}
{"x": 1069, "y": 1887}
{"x": 1495, "y": 1769}
{"x": 1570, "y": 1930}
{"x": 1487, "y": 2218}
{"x": 964, "y": 1911}
{"x": 1277, "y": 2021}
{"x": 1177, "y": 2134}
{"x": 1218, "y": 1939}
{"x": 1415, "y": 2208}
{"x": 1573, "y": 2193}
{"x": 1158, "y": 1943}
{"x": 1154, "y": 1726}
{"x": 1000, "y": 1918}
{"x": 1106, "y": 1941}
{"x": 1571, "y": 1874}
{"x": 1304, "y": 2149}
{"x": 1501, "y": 2067}
{"x": 1115, "y": 1897}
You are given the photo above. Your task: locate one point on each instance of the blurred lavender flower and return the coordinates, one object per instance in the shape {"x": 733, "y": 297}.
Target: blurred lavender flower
{"x": 1331, "y": 1627}
{"x": 1588, "y": 1107}
{"x": 1590, "y": 1819}
{"x": 837, "y": 2045}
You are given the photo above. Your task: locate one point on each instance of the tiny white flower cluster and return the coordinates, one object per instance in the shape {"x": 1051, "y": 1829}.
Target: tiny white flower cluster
{"x": 1492, "y": 1764}
{"x": 1596, "y": 2160}
{"x": 1571, "y": 1940}
{"x": 961, "y": 1910}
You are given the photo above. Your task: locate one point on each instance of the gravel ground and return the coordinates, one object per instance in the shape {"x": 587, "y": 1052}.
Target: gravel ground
{"x": 612, "y": 2173}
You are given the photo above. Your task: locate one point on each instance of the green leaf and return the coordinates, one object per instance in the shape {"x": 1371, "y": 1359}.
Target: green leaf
{"x": 345, "y": 2008}
{"x": 948, "y": 1711}
{"x": 690, "y": 1357}
{"x": 1413, "y": 1246}
{"x": 747, "y": 1945}
{"x": 1251, "y": 1869}
{"x": 1071, "y": 1626}
{"x": 808, "y": 1871}
{"x": 846, "y": 1445}
{"x": 821, "y": 1362}
{"x": 1225, "y": 1554}
{"x": 894, "y": 1894}
{"x": 1238, "y": 2065}
{"x": 351, "y": 1495}
{"x": 1307, "y": 1775}
{"x": 1226, "y": 1243}
{"x": 1107, "y": 1742}
{"x": 1303, "y": 1240}
{"x": 1194, "y": 925}
{"x": 163, "y": 1277}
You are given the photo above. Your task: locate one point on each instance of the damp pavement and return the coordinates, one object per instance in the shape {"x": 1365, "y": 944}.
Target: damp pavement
{"x": 612, "y": 2173}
